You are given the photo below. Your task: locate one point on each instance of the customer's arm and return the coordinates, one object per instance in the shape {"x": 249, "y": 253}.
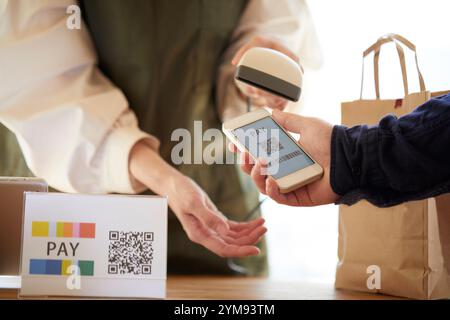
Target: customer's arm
{"x": 399, "y": 160}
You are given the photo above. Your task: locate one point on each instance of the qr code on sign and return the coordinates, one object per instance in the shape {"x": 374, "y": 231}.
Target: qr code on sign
{"x": 130, "y": 252}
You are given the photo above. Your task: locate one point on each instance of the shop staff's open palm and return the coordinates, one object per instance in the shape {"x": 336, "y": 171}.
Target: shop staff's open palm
{"x": 201, "y": 220}
{"x": 207, "y": 226}
{"x": 315, "y": 138}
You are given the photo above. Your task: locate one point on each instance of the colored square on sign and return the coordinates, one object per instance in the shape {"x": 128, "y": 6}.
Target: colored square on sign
{"x": 53, "y": 267}
{"x": 60, "y": 229}
{"x": 37, "y": 266}
{"x": 65, "y": 266}
{"x": 86, "y": 267}
{"x": 68, "y": 228}
{"x": 87, "y": 230}
{"x": 39, "y": 229}
{"x": 75, "y": 230}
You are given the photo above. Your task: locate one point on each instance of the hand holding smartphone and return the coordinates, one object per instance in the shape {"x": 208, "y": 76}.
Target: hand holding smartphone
{"x": 262, "y": 137}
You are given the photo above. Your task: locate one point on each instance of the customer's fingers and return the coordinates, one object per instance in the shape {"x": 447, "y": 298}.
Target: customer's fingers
{"x": 246, "y": 162}
{"x": 273, "y": 191}
{"x": 258, "y": 175}
{"x": 290, "y": 121}
{"x": 303, "y": 197}
{"x": 232, "y": 147}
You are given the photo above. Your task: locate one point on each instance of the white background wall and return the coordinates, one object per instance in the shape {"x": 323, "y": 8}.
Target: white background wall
{"x": 303, "y": 241}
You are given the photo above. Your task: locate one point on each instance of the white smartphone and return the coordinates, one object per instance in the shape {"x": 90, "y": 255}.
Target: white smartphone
{"x": 261, "y": 136}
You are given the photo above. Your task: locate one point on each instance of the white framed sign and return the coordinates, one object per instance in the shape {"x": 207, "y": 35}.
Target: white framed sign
{"x": 94, "y": 245}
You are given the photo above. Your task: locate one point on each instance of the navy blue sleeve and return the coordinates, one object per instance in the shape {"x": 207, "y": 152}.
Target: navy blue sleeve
{"x": 400, "y": 159}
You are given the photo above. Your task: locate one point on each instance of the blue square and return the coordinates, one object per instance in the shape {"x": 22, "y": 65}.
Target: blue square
{"x": 53, "y": 267}
{"x": 37, "y": 266}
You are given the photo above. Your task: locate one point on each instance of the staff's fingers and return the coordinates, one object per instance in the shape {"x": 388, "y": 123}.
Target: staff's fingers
{"x": 259, "y": 41}
{"x": 246, "y": 230}
{"x": 239, "y": 226}
{"x": 263, "y": 98}
{"x": 249, "y": 239}
{"x": 242, "y": 50}
{"x": 212, "y": 220}
{"x": 278, "y": 103}
{"x": 198, "y": 233}
{"x": 223, "y": 249}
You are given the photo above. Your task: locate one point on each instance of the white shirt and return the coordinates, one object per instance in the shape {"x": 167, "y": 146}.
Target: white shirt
{"x": 74, "y": 126}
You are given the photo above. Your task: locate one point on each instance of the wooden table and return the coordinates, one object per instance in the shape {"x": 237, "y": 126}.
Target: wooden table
{"x": 256, "y": 289}
{"x": 213, "y": 287}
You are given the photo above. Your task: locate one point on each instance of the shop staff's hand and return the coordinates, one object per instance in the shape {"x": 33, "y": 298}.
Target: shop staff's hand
{"x": 261, "y": 98}
{"x": 315, "y": 138}
{"x": 202, "y": 222}
{"x": 207, "y": 226}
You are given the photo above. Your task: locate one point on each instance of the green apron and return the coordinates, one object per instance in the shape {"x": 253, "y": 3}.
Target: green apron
{"x": 164, "y": 55}
{"x": 12, "y": 163}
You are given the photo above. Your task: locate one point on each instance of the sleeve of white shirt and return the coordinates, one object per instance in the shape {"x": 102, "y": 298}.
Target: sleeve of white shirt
{"x": 288, "y": 21}
{"x": 73, "y": 125}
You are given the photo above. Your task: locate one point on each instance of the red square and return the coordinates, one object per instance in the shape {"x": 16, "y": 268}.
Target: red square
{"x": 87, "y": 230}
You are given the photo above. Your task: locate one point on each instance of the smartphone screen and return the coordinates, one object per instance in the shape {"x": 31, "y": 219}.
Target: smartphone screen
{"x": 265, "y": 139}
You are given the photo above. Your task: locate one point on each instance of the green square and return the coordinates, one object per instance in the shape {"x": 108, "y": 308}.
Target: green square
{"x": 86, "y": 267}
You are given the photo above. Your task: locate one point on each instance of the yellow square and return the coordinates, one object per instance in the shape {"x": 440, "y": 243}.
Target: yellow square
{"x": 60, "y": 229}
{"x": 65, "y": 265}
{"x": 40, "y": 229}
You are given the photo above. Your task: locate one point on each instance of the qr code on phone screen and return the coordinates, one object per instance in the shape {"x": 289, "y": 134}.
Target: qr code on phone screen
{"x": 130, "y": 252}
{"x": 271, "y": 145}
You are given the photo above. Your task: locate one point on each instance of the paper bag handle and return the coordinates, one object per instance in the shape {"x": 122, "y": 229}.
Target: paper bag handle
{"x": 397, "y": 39}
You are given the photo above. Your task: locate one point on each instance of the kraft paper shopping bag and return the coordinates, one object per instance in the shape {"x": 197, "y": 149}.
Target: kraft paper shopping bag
{"x": 402, "y": 250}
